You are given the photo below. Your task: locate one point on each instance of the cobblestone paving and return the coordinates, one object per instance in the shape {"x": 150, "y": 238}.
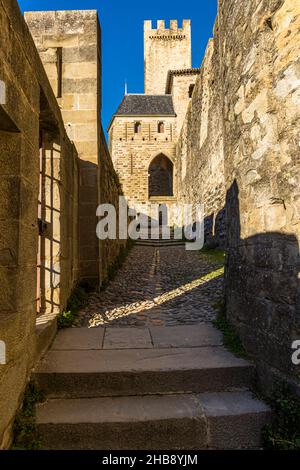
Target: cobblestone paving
{"x": 162, "y": 286}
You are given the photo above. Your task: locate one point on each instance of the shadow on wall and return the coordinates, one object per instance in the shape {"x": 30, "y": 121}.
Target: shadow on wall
{"x": 88, "y": 242}
{"x": 215, "y": 229}
{"x": 48, "y": 261}
{"x": 57, "y": 213}
{"x": 263, "y": 294}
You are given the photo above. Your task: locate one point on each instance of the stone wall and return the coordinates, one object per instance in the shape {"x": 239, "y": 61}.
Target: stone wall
{"x": 243, "y": 127}
{"x": 261, "y": 86}
{"x": 110, "y": 190}
{"x": 35, "y": 152}
{"x": 200, "y": 153}
{"x": 69, "y": 44}
{"x": 165, "y": 49}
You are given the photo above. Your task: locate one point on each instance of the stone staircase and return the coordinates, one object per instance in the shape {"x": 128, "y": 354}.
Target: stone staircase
{"x": 155, "y": 239}
{"x": 152, "y": 388}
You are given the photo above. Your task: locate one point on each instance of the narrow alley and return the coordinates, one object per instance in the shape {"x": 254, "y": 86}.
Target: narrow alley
{"x": 163, "y": 286}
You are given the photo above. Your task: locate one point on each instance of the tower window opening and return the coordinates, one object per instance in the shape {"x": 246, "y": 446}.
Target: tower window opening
{"x": 191, "y": 89}
{"x": 137, "y": 127}
{"x": 59, "y": 71}
{"x": 161, "y": 127}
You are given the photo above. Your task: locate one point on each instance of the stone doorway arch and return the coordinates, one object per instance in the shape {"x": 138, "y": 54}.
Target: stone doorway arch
{"x": 160, "y": 176}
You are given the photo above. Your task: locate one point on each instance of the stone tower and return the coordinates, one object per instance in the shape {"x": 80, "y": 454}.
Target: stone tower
{"x": 165, "y": 49}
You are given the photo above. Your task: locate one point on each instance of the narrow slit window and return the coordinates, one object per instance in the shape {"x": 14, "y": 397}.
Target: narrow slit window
{"x": 161, "y": 127}
{"x": 137, "y": 127}
{"x": 59, "y": 71}
{"x": 191, "y": 89}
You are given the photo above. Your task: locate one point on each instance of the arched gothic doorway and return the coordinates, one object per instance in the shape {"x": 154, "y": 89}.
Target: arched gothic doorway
{"x": 161, "y": 176}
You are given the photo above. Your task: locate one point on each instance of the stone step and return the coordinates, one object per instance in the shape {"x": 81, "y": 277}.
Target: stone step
{"x": 154, "y": 242}
{"x": 94, "y": 373}
{"x": 218, "y": 420}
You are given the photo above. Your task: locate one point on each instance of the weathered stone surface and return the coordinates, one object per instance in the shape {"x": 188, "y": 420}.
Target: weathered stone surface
{"x": 127, "y": 338}
{"x": 151, "y": 422}
{"x": 40, "y": 179}
{"x": 218, "y": 421}
{"x": 31, "y": 106}
{"x": 78, "y": 339}
{"x": 240, "y": 136}
{"x": 261, "y": 171}
{"x": 200, "y": 153}
{"x": 234, "y": 420}
{"x": 186, "y": 336}
{"x": 138, "y": 371}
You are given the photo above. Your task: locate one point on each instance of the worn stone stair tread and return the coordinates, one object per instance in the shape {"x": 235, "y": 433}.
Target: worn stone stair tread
{"x": 157, "y": 241}
{"x": 235, "y": 419}
{"x": 141, "y": 371}
{"x": 118, "y": 409}
{"x": 183, "y": 421}
{"x": 139, "y": 360}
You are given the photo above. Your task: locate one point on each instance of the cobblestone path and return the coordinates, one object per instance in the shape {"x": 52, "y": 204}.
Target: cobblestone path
{"x": 162, "y": 286}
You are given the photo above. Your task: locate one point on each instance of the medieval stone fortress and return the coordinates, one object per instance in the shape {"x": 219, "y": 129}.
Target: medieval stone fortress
{"x": 139, "y": 361}
{"x": 144, "y": 131}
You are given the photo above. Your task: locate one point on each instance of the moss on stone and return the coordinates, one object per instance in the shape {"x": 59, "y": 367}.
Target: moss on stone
{"x": 284, "y": 432}
{"x": 231, "y": 340}
{"x": 77, "y": 299}
{"x": 25, "y": 433}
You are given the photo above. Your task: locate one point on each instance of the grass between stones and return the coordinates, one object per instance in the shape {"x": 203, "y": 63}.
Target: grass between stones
{"x": 231, "y": 339}
{"x": 284, "y": 432}
{"x": 25, "y": 433}
{"x": 215, "y": 254}
{"x": 77, "y": 299}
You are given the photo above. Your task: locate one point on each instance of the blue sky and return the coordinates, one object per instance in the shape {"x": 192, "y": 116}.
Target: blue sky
{"x": 122, "y": 36}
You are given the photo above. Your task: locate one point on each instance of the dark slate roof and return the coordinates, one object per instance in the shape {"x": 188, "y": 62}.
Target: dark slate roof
{"x": 143, "y": 105}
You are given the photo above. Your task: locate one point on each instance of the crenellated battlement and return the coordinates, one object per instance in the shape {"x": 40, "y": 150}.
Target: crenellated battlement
{"x": 166, "y": 48}
{"x": 161, "y": 26}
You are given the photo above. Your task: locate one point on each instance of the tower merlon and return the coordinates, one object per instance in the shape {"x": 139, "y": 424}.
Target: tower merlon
{"x": 147, "y": 25}
{"x": 186, "y": 24}
{"x": 161, "y": 24}
{"x": 174, "y": 25}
